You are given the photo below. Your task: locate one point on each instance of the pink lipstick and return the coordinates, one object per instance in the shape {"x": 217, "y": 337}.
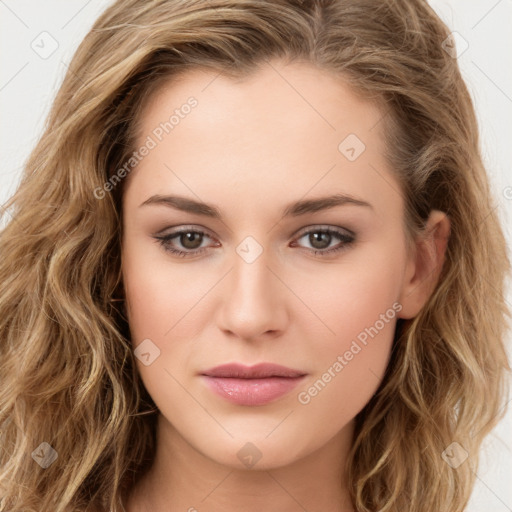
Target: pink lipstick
{"x": 252, "y": 385}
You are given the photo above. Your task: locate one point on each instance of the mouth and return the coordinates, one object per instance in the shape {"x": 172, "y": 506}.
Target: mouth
{"x": 252, "y": 385}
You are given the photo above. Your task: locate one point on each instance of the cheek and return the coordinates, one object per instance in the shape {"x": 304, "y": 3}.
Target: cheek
{"x": 159, "y": 294}
{"x": 358, "y": 306}
{"x": 352, "y": 296}
{"x": 345, "y": 383}
{"x": 348, "y": 367}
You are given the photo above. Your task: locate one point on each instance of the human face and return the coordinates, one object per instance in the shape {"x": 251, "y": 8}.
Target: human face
{"x": 252, "y": 289}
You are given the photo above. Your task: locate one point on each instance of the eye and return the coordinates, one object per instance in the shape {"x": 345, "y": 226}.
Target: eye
{"x": 190, "y": 239}
{"x": 320, "y": 238}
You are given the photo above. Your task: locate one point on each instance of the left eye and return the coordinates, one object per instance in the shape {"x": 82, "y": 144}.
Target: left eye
{"x": 320, "y": 239}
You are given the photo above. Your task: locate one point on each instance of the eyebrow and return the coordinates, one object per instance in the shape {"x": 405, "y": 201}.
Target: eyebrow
{"x": 295, "y": 209}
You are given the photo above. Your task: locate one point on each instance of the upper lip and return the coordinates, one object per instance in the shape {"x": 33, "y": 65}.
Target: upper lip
{"x": 258, "y": 371}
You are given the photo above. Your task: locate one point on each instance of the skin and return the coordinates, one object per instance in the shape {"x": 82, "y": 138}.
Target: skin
{"x": 251, "y": 147}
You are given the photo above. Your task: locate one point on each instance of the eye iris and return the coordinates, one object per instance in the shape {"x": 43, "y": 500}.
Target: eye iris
{"x": 191, "y": 240}
{"x": 317, "y": 236}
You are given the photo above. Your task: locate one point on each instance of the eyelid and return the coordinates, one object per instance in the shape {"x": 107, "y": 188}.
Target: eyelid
{"x": 322, "y": 227}
{"x": 184, "y": 227}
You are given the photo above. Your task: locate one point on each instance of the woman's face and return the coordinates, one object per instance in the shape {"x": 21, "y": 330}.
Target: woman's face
{"x": 245, "y": 170}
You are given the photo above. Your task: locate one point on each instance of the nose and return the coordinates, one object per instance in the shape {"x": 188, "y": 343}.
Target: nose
{"x": 253, "y": 303}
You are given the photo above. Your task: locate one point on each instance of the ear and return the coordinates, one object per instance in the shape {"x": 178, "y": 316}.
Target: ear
{"x": 424, "y": 264}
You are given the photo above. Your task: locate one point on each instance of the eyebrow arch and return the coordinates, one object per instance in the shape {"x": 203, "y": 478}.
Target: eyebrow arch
{"x": 295, "y": 209}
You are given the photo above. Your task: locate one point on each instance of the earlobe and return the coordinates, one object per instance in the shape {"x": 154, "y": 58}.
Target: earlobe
{"x": 425, "y": 265}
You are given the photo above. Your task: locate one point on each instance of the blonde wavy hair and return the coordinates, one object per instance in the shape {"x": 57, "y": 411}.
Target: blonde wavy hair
{"x": 67, "y": 372}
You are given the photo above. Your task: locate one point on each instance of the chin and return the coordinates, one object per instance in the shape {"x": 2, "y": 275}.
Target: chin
{"x": 255, "y": 453}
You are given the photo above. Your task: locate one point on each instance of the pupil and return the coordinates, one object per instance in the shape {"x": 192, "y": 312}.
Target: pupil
{"x": 189, "y": 237}
{"x": 315, "y": 237}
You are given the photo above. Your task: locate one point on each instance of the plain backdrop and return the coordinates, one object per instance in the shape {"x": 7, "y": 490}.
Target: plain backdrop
{"x": 38, "y": 40}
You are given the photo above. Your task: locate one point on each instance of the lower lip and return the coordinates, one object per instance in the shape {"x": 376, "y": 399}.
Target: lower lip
{"x": 252, "y": 391}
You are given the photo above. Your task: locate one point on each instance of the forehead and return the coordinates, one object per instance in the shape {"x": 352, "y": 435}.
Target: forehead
{"x": 287, "y": 91}
{"x": 285, "y": 127}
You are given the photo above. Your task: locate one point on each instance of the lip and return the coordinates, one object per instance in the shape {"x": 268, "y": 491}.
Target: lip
{"x": 252, "y": 385}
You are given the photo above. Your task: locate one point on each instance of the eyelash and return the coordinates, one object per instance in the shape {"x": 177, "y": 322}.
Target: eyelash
{"x": 164, "y": 241}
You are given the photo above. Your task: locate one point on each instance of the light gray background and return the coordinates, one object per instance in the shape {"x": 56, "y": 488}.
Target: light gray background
{"x": 29, "y": 81}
